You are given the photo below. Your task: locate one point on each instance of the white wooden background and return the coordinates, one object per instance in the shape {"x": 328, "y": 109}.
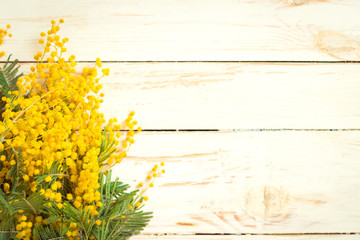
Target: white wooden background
{"x": 253, "y": 105}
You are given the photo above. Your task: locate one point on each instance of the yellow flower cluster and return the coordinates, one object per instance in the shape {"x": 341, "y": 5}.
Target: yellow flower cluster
{"x": 149, "y": 183}
{"x": 54, "y": 118}
{"x": 24, "y": 227}
{"x": 3, "y": 34}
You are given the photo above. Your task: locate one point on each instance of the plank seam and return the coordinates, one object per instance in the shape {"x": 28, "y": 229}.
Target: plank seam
{"x": 251, "y": 234}
{"x": 253, "y": 130}
{"x": 200, "y": 61}
{"x": 277, "y": 234}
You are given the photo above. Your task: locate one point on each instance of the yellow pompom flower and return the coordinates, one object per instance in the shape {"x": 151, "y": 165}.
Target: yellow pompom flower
{"x": 48, "y": 179}
{"x": 6, "y": 187}
{"x": 54, "y": 187}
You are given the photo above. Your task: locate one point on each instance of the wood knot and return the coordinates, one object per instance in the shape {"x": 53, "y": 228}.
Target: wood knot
{"x": 266, "y": 201}
{"x": 337, "y": 45}
{"x": 297, "y": 2}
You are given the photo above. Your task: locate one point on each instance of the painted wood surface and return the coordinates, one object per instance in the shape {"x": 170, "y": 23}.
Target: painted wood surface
{"x": 249, "y": 182}
{"x": 246, "y": 237}
{"x": 245, "y": 181}
{"x": 184, "y": 30}
{"x": 234, "y": 95}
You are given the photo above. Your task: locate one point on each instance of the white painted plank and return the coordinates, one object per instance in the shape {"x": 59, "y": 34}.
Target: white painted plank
{"x": 187, "y": 30}
{"x": 249, "y": 182}
{"x": 246, "y": 237}
{"x": 233, "y": 95}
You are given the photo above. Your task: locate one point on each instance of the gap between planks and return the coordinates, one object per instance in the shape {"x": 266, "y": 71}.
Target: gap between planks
{"x": 251, "y": 130}
{"x": 321, "y": 236}
{"x": 213, "y": 61}
{"x": 254, "y": 234}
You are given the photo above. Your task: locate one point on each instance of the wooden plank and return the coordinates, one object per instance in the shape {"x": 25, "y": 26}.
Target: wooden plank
{"x": 233, "y": 95}
{"x": 249, "y": 182}
{"x": 183, "y": 30}
{"x": 246, "y": 237}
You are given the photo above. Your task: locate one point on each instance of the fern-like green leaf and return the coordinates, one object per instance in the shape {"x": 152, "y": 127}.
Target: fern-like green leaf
{"x": 47, "y": 232}
{"x": 4, "y": 204}
{"x": 31, "y": 204}
{"x": 54, "y": 172}
{"x": 8, "y": 78}
{"x": 106, "y": 147}
{"x": 118, "y": 220}
{"x": 6, "y": 234}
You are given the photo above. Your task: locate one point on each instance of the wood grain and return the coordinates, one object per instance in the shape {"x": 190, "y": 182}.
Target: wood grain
{"x": 232, "y": 182}
{"x": 249, "y": 182}
{"x": 181, "y": 30}
{"x": 245, "y": 237}
{"x": 234, "y": 95}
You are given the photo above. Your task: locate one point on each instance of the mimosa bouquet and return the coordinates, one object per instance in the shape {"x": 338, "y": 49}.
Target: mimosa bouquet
{"x": 57, "y": 150}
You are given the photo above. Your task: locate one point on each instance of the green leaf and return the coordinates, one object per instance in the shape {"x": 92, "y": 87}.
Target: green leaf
{"x": 8, "y": 78}
{"x": 83, "y": 218}
{"x": 31, "y": 204}
{"x": 4, "y": 204}
{"x": 106, "y": 147}
{"x": 115, "y": 205}
{"x": 55, "y": 171}
{"x": 44, "y": 232}
{"x": 17, "y": 171}
{"x": 6, "y": 235}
